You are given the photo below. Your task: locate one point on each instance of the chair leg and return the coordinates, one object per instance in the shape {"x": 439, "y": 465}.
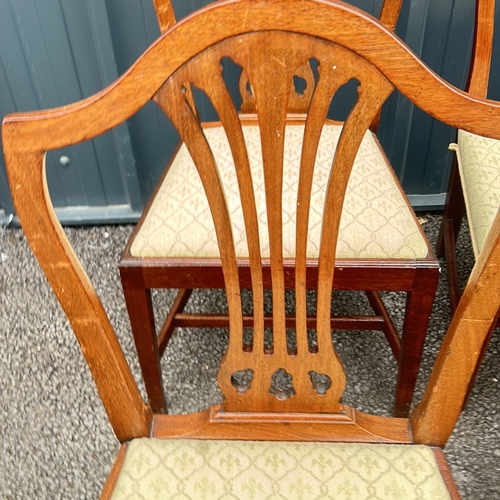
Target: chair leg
{"x": 451, "y": 263}
{"x": 453, "y": 214}
{"x": 140, "y": 311}
{"x": 419, "y": 304}
{"x": 454, "y": 208}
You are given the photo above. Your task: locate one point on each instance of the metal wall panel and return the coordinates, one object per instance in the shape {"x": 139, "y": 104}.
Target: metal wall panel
{"x": 53, "y": 53}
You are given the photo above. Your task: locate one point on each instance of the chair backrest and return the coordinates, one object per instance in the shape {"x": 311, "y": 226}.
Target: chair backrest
{"x": 269, "y": 41}
{"x": 259, "y": 55}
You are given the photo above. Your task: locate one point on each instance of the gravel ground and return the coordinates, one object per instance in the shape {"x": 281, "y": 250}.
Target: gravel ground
{"x": 55, "y": 438}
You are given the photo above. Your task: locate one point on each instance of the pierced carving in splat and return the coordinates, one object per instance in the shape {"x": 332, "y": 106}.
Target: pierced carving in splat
{"x": 280, "y": 55}
{"x": 301, "y": 91}
{"x": 300, "y": 85}
{"x": 282, "y": 385}
{"x": 320, "y": 382}
{"x": 242, "y": 380}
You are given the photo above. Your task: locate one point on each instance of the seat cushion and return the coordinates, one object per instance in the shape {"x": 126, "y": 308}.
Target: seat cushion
{"x": 196, "y": 469}
{"x": 479, "y": 166}
{"x": 376, "y": 220}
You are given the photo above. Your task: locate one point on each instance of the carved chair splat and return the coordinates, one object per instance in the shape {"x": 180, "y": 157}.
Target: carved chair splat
{"x": 143, "y": 269}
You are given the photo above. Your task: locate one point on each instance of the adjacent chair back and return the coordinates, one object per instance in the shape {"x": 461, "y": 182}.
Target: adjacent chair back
{"x": 283, "y": 389}
{"x": 455, "y": 206}
{"x": 474, "y": 185}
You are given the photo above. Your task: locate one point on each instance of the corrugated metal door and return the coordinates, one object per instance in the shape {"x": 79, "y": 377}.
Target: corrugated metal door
{"x": 53, "y": 53}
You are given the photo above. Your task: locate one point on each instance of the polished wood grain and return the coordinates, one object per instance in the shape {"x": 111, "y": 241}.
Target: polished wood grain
{"x": 165, "y": 14}
{"x": 482, "y": 48}
{"x": 389, "y": 14}
{"x": 27, "y": 132}
{"x": 164, "y": 57}
{"x": 436, "y": 415}
{"x": 128, "y": 414}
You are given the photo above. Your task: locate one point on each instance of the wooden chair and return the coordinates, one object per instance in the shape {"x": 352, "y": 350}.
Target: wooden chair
{"x": 474, "y": 185}
{"x": 281, "y": 427}
{"x": 382, "y": 246}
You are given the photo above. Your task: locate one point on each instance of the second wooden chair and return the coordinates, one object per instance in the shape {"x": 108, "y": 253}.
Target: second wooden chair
{"x": 474, "y": 186}
{"x": 381, "y": 244}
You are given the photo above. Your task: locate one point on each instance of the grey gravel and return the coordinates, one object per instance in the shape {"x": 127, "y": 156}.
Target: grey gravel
{"x": 55, "y": 438}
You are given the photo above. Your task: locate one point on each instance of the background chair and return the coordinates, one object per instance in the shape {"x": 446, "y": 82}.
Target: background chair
{"x": 474, "y": 186}
{"x": 382, "y": 247}
{"x": 285, "y": 395}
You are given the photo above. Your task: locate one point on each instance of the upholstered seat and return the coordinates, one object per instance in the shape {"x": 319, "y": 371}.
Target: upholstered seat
{"x": 478, "y": 159}
{"x": 200, "y": 469}
{"x": 179, "y": 222}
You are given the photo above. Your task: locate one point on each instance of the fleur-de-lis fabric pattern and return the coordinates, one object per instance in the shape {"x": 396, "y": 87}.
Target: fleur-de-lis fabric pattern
{"x": 375, "y": 223}
{"x": 479, "y": 166}
{"x": 249, "y": 470}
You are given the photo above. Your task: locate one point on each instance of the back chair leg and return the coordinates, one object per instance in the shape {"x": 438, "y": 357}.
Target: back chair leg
{"x": 390, "y": 331}
{"x": 418, "y": 311}
{"x": 450, "y": 239}
{"x": 140, "y": 312}
{"x": 454, "y": 211}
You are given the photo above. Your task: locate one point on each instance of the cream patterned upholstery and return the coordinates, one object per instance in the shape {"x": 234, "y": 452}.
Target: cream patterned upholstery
{"x": 376, "y": 222}
{"x": 250, "y": 470}
{"x": 479, "y": 167}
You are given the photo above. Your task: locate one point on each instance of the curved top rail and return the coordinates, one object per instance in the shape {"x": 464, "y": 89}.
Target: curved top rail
{"x": 328, "y": 19}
